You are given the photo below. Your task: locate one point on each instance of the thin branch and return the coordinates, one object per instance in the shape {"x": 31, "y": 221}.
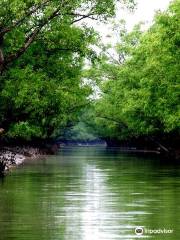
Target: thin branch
{"x": 78, "y": 106}
{"x": 31, "y": 38}
{"x": 113, "y": 58}
{"x": 82, "y": 16}
{"x": 20, "y": 51}
{"x": 113, "y": 120}
{"x": 20, "y": 21}
{"x": 159, "y": 144}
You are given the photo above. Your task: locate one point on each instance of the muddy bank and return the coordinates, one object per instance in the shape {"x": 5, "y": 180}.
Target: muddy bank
{"x": 15, "y": 155}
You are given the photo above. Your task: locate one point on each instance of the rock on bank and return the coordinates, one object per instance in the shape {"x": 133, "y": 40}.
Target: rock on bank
{"x": 13, "y": 156}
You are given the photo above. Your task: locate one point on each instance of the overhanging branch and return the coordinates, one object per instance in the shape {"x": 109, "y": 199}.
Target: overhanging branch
{"x": 82, "y": 16}
{"x": 113, "y": 120}
{"x": 31, "y": 38}
{"x": 20, "y": 21}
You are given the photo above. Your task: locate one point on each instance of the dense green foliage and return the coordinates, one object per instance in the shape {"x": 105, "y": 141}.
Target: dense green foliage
{"x": 140, "y": 89}
{"x": 41, "y": 97}
{"x": 43, "y": 87}
{"x": 42, "y": 54}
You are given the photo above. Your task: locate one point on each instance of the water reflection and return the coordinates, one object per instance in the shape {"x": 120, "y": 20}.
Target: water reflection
{"x": 89, "y": 194}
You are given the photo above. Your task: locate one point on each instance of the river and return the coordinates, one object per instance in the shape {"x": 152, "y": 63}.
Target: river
{"x": 90, "y": 193}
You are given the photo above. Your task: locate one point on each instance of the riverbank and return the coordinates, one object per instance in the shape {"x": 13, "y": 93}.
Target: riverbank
{"x": 12, "y": 156}
{"x": 166, "y": 146}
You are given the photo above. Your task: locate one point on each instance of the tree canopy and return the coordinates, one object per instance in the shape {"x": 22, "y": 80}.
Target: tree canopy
{"x": 42, "y": 54}
{"x": 44, "y": 88}
{"x": 140, "y": 88}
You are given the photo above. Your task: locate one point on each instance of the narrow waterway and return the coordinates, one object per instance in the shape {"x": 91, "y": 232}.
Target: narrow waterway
{"x": 90, "y": 194}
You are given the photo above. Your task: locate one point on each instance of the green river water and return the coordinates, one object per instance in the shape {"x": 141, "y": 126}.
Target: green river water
{"x": 90, "y": 193}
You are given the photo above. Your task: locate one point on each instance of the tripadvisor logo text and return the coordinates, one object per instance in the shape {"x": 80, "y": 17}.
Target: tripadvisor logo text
{"x": 146, "y": 231}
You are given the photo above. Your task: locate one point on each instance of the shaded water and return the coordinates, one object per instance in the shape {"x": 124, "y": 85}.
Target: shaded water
{"x": 90, "y": 194}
